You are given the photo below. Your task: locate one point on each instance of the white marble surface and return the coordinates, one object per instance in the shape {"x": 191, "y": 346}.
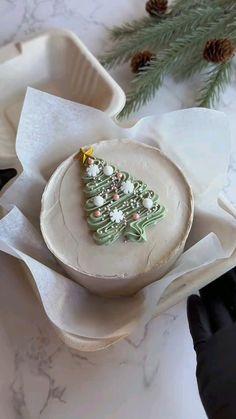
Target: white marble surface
{"x": 151, "y": 374}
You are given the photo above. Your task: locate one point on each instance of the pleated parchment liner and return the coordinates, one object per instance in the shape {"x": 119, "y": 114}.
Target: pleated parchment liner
{"x": 50, "y": 130}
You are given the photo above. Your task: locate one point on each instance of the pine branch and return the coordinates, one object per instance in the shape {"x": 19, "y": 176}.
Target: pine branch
{"x": 149, "y": 80}
{"x": 178, "y": 39}
{"x": 181, "y": 50}
{"x": 189, "y": 69}
{"x": 131, "y": 28}
{"x": 197, "y": 63}
{"x": 216, "y": 81}
{"x": 140, "y": 96}
{"x": 160, "y": 36}
{"x": 226, "y": 4}
{"x": 182, "y": 5}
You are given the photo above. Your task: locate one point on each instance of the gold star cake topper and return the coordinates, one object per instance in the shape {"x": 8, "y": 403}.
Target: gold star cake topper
{"x": 84, "y": 154}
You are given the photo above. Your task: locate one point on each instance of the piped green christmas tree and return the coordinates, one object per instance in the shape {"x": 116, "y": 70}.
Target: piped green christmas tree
{"x": 117, "y": 204}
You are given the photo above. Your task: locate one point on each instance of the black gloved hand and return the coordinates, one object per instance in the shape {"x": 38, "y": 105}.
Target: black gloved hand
{"x": 212, "y": 323}
{"x": 6, "y": 175}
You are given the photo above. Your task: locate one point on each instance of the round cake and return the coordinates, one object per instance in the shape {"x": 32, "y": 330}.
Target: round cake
{"x": 116, "y": 215}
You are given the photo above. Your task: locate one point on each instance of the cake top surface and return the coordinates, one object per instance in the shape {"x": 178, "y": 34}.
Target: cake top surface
{"x": 66, "y": 204}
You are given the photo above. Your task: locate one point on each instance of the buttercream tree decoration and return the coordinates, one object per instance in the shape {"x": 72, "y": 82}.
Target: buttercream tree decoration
{"x": 117, "y": 204}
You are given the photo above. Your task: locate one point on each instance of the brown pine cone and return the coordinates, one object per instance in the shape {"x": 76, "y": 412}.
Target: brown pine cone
{"x": 140, "y": 60}
{"x": 156, "y": 7}
{"x": 219, "y": 50}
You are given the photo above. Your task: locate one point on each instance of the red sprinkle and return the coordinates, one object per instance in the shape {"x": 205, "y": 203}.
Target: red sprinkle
{"x": 116, "y": 197}
{"x": 119, "y": 175}
{"x": 89, "y": 161}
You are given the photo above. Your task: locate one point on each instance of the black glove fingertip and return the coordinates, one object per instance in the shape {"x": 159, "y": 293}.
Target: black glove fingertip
{"x": 198, "y": 321}
{"x": 6, "y": 175}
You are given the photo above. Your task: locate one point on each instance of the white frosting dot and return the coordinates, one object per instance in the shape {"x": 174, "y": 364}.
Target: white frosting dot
{"x": 147, "y": 203}
{"x": 98, "y": 201}
{"x": 108, "y": 170}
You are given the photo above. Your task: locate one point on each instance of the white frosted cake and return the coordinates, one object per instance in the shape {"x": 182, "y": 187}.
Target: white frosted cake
{"x": 116, "y": 216}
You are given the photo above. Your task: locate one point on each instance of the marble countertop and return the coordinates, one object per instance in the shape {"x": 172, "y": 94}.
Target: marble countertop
{"x": 152, "y": 373}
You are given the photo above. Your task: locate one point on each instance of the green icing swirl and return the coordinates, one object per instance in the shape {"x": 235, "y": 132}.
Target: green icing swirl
{"x": 106, "y": 231}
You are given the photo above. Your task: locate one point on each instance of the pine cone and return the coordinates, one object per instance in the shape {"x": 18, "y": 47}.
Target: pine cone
{"x": 219, "y": 50}
{"x": 156, "y": 7}
{"x": 140, "y": 60}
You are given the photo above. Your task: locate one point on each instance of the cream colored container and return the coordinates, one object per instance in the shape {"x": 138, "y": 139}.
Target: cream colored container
{"x": 56, "y": 62}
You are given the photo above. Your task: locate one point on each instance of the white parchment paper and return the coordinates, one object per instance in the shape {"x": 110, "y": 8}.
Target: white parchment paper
{"x": 50, "y": 130}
